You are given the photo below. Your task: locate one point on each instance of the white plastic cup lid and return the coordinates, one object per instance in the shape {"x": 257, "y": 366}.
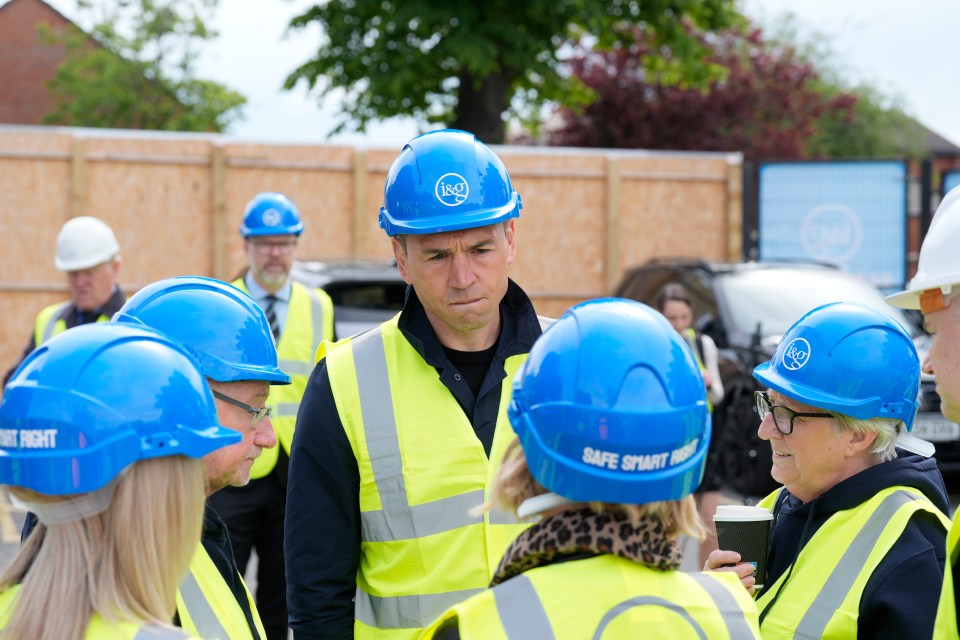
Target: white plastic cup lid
{"x": 741, "y": 513}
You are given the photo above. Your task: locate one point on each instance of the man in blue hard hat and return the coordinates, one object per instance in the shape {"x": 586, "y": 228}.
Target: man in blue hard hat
{"x": 300, "y": 318}
{"x": 230, "y": 336}
{"x": 402, "y": 427}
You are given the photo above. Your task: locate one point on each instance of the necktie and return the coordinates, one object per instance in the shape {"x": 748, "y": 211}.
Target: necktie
{"x": 272, "y": 317}
{"x": 86, "y": 317}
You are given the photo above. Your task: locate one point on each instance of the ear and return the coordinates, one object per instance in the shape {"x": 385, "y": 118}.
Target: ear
{"x": 510, "y": 233}
{"x": 401, "y": 257}
{"x": 858, "y": 442}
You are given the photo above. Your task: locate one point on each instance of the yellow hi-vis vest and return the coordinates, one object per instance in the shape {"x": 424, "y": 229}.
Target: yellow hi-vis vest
{"x": 309, "y": 321}
{"x": 607, "y": 597}
{"x": 946, "y": 628}
{"x": 422, "y": 470}
{"x": 47, "y": 324}
{"x": 822, "y": 597}
{"x": 100, "y": 629}
{"x": 690, "y": 337}
{"x": 207, "y": 607}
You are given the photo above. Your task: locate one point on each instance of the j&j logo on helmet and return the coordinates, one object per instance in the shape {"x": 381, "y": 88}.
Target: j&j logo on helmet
{"x": 452, "y": 189}
{"x": 796, "y": 354}
{"x": 271, "y": 218}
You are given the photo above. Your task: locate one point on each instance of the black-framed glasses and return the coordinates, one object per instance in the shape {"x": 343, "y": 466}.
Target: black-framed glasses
{"x": 782, "y": 416}
{"x": 283, "y": 246}
{"x": 258, "y": 414}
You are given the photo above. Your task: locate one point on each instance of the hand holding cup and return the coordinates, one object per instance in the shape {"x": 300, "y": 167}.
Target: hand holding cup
{"x": 746, "y": 532}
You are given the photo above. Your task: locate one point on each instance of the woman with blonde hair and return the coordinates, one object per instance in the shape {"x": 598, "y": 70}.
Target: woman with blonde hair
{"x": 101, "y": 431}
{"x": 611, "y": 417}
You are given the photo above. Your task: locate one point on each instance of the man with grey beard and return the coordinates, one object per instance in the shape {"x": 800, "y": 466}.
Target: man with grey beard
{"x": 300, "y": 318}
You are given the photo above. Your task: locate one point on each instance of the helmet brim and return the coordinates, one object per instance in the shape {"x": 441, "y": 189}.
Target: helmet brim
{"x": 864, "y": 409}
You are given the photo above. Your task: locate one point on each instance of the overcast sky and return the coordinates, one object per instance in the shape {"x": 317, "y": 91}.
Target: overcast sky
{"x": 902, "y": 48}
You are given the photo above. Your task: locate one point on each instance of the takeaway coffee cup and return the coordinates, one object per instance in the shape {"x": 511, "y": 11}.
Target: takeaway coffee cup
{"x": 745, "y": 530}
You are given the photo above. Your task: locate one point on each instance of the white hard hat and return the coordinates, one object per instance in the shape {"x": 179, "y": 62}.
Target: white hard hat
{"x": 85, "y": 242}
{"x": 939, "y": 264}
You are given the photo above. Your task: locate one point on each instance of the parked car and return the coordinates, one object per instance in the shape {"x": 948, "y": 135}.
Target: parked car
{"x": 364, "y": 293}
{"x": 746, "y": 308}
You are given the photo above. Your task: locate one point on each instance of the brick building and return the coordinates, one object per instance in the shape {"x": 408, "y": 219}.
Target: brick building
{"x": 27, "y": 63}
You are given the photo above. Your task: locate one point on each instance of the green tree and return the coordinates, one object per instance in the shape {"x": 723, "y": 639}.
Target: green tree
{"x": 879, "y": 124}
{"x": 135, "y": 69}
{"x": 470, "y": 65}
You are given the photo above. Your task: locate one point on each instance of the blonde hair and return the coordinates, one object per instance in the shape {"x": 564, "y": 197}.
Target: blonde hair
{"x": 124, "y": 564}
{"x": 514, "y": 484}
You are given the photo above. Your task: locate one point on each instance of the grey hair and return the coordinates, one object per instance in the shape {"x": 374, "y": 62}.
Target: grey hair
{"x": 884, "y": 447}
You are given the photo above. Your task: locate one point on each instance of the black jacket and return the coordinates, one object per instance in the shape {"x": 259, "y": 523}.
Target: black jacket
{"x": 322, "y": 529}
{"x": 216, "y": 542}
{"x": 900, "y": 598}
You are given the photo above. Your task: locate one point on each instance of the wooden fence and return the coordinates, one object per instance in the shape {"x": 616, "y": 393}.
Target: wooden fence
{"x": 175, "y": 202}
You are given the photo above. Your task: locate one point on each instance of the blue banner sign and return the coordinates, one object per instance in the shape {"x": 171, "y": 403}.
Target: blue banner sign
{"x": 951, "y": 179}
{"x": 852, "y": 214}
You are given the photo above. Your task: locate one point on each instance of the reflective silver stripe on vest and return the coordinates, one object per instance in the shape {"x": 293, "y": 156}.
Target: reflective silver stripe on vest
{"x": 397, "y": 519}
{"x": 406, "y": 612}
{"x": 296, "y": 368}
{"x": 649, "y": 600}
{"x": 156, "y": 632}
{"x": 499, "y": 516}
{"x": 523, "y": 615}
{"x": 521, "y": 610}
{"x": 316, "y": 315}
{"x": 52, "y": 322}
{"x": 732, "y": 613}
{"x": 838, "y": 585}
{"x": 199, "y": 609}
{"x": 287, "y": 409}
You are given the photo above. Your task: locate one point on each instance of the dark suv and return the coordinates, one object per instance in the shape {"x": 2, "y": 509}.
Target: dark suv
{"x": 746, "y": 308}
{"x": 364, "y": 293}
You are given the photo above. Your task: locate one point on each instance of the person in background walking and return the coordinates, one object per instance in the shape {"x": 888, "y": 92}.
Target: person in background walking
{"x": 674, "y": 303}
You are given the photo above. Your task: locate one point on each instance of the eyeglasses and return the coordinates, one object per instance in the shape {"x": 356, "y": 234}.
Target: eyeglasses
{"x": 782, "y": 416}
{"x": 258, "y": 414}
{"x": 267, "y": 247}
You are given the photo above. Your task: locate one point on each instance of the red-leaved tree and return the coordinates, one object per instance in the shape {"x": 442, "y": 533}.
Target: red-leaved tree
{"x": 766, "y": 107}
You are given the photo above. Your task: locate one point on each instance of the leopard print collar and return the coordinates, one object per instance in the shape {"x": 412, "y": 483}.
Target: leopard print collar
{"x": 583, "y": 532}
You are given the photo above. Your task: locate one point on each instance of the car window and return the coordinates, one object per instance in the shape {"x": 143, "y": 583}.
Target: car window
{"x": 386, "y": 296}
{"x": 774, "y": 299}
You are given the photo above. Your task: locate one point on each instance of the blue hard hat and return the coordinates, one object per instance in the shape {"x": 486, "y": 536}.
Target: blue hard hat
{"x": 91, "y": 401}
{"x": 847, "y": 358}
{"x": 271, "y": 214}
{"x": 221, "y": 325}
{"x": 610, "y": 406}
{"x": 444, "y": 181}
